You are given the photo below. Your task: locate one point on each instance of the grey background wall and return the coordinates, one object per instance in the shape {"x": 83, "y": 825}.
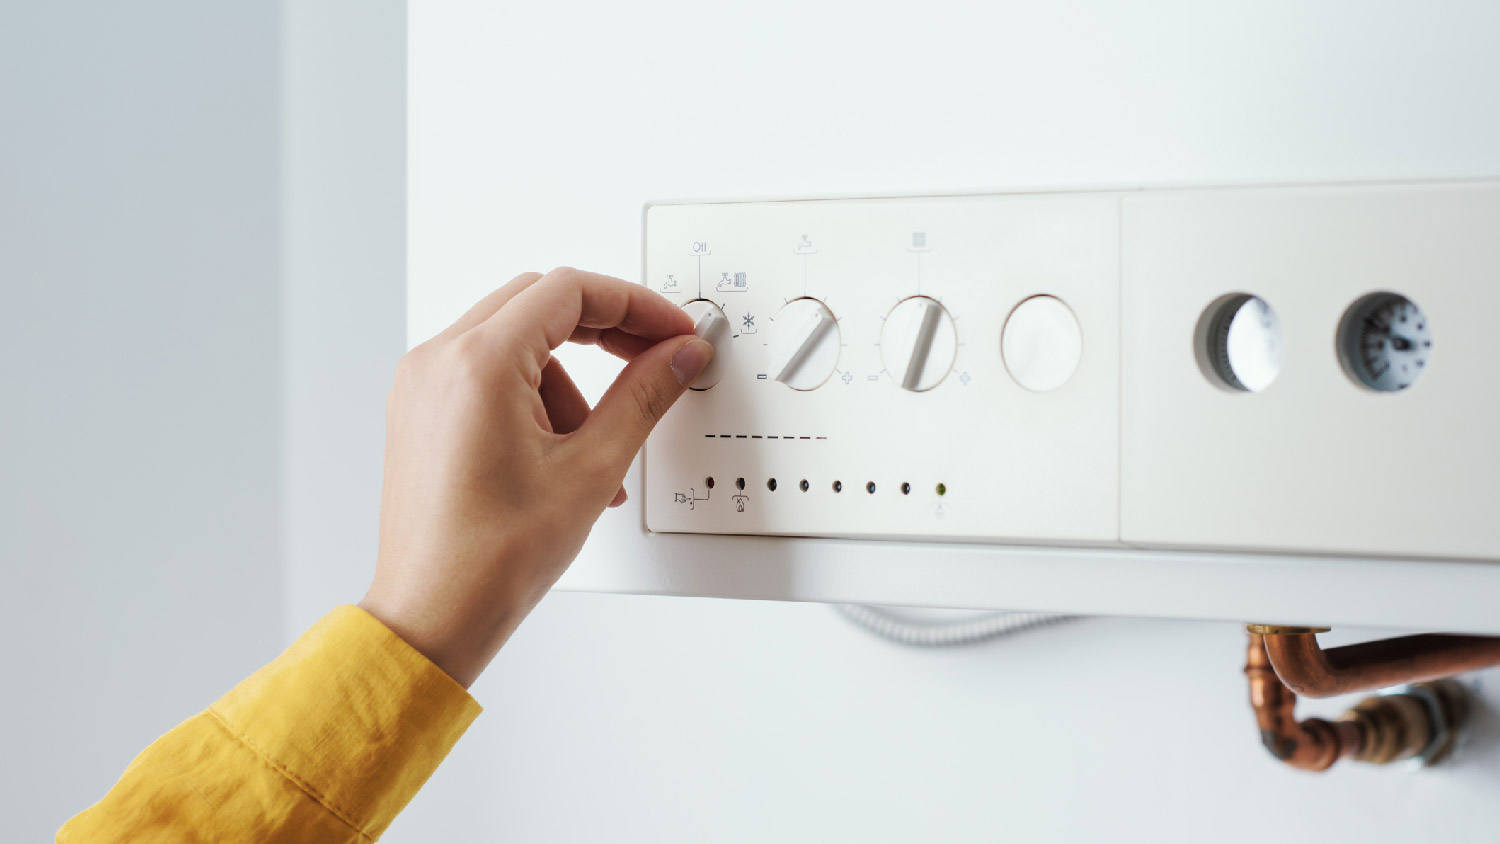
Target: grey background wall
{"x": 140, "y": 381}
{"x": 201, "y": 241}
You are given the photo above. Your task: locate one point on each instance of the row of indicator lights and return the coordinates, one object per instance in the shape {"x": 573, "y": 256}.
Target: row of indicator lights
{"x": 838, "y": 486}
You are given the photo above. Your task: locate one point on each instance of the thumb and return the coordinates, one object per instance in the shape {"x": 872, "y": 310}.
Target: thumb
{"x": 642, "y": 394}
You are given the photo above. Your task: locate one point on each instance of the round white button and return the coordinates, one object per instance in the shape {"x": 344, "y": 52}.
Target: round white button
{"x": 804, "y": 344}
{"x": 710, "y": 323}
{"x": 1041, "y": 343}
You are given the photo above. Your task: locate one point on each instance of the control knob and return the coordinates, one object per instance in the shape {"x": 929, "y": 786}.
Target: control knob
{"x": 804, "y": 344}
{"x": 918, "y": 343}
{"x": 710, "y": 323}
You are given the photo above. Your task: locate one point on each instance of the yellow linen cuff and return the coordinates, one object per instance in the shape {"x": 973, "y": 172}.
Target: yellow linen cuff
{"x": 353, "y": 715}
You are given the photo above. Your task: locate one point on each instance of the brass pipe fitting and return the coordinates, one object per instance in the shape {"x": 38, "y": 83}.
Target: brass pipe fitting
{"x": 1310, "y": 671}
{"x": 1418, "y": 722}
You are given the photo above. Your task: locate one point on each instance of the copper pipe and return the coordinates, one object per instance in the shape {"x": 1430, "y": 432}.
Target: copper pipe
{"x": 1312, "y": 745}
{"x": 1313, "y": 672}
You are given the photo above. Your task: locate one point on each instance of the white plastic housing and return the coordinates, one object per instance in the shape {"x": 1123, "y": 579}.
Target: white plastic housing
{"x": 1136, "y": 446}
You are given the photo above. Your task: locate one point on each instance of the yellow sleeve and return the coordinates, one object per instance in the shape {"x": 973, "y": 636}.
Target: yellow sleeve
{"x": 327, "y": 743}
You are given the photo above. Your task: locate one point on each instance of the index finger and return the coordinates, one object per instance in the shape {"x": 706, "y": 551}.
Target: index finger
{"x": 545, "y": 314}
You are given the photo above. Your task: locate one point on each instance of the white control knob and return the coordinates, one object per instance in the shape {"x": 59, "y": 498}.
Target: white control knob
{"x": 1041, "y": 343}
{"x": 918, "y": 343}
{"x": 804, "y": 344}
{"x": 710, "y": 323}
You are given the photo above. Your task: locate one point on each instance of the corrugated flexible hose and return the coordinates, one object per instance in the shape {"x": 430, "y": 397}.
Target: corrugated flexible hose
{"x": 946, "y": 634}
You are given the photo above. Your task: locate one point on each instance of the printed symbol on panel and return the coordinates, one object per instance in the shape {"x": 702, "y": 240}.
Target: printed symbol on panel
{"x": 700, "y": 247}
{"x": 739, "y": 502}
{"x": 918, "y": 243}
{"x": 875, "y": 377}
{"x": 847, "y": 378}
{"x": 964, "y": 378}
{"x": 939, "y": 510}
{"x": 749, "y": 324}
{"x": 804, "y": 247}
{"x": 670, "y": 284}
{"x": 690, "y": 498}
{"x": 738, "y": 284}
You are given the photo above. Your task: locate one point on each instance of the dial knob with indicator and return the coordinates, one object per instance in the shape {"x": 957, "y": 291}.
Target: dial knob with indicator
{"x": 804, "y": 344}
{"x": 918, "y": 343}
{"x": 710, "y": 323}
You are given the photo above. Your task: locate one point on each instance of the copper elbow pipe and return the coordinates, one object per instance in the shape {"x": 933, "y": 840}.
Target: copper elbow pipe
{"x": 1312, "y": 745}
{"x": 1310, "y": 671}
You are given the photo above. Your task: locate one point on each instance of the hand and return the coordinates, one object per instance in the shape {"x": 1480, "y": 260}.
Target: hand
{"x": 496, "y": 468}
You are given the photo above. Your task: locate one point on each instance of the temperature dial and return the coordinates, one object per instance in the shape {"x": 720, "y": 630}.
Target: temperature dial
{"x": 1384, "y": 342}
{"x": 918, "y": 343}
{"x": 710, "y": 323}
{"x": 804, "y": 344}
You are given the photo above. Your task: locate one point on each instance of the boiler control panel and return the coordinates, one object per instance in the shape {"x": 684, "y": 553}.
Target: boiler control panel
{"x": 1293, "y": 369}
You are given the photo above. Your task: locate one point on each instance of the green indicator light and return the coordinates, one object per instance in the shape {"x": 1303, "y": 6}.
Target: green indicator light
{"x": 942, "y": 489}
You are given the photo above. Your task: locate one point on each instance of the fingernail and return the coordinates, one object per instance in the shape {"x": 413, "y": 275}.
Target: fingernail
{"x": 690, "y": 360}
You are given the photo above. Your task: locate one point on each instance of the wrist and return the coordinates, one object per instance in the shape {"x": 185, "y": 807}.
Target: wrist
{"x": 459, "y": 645}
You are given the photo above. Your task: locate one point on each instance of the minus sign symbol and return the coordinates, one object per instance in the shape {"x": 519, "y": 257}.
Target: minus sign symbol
{"x": 760, "y": 376}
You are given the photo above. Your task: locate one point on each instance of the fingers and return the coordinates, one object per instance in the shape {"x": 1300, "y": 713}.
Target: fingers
{"x": 618, "y": 343}
{"x": 486, "y": 307}
{"x": 547, "y": 312}
{"x": 646, "y": 388}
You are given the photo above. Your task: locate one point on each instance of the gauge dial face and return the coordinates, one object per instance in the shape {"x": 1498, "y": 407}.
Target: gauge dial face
{"x": 1243, "y": 342}
{"x": 1385, "y": 341}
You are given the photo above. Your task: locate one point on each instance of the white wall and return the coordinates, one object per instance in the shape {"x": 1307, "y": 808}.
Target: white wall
{"x": 140, "y": 382}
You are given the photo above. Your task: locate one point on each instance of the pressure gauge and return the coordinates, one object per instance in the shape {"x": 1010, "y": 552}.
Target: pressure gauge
{"x": 1240, "y": 342}
{"x": 1384, "y": 342}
